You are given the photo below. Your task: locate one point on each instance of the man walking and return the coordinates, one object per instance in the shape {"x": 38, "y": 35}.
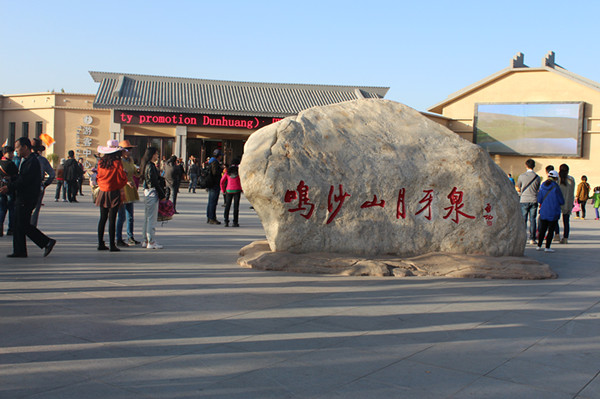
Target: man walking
{"x": 27, "y": 188}
{"x": 528, "y": 185}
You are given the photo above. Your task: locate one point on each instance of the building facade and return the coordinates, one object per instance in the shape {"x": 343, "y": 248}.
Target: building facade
{"x": 520, "y": 84}
{"x": 69, "y": 118}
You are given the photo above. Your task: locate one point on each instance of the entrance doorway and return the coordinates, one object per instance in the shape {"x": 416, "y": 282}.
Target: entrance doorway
{"x": 204, "y": 148}
{"x": 165, "y": 146}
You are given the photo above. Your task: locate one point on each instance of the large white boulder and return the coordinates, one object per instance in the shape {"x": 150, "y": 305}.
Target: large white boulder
{"x": 375, "y": 177}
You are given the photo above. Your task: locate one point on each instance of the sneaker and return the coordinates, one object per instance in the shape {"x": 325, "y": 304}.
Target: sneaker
{"x": 145, "y": 244}
{"x": 532, "y": 242}
{"x": 235, "y": 224}
{"x": 226, "y": 224}
{"x": 213, "y": 221}
{"x": 556, "y": 238}
{"x": 122, "y": 243}
{"x": 548, "y": 250}
{"x": 564, "y": 241}
{"x": 133, "y": 241}
{"x": 65, "y": 200}
{"x": 154, "y": 245}
{"x": 538, "y": 248}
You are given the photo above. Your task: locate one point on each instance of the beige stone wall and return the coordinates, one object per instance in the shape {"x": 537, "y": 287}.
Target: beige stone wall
{"x": 62, "y": 115}
{"x": 533, "y": 85}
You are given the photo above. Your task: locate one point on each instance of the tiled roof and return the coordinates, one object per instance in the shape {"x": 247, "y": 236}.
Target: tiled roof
{"x": 159, "y": 93}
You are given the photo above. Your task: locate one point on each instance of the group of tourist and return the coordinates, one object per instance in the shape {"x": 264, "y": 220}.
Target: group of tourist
{"x": 117, "y": 181}
{"x": 69, "y": 178}
{"x": 556, "y": 198}
{"x": 25, "y": 174}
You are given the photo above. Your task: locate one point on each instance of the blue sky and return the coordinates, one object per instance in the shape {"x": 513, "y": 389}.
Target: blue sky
{"x": 423, "y": 51}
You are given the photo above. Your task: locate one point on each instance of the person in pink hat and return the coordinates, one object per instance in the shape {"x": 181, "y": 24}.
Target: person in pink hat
{"x": 111, "y": 180}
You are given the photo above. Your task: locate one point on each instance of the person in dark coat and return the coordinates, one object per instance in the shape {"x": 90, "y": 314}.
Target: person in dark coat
{"x": 8, "y": 172}
{"x": 213, "y": 186}
{"x": 173, "y": 175}
{"x": 72, "y": 173}
{"x": 550, "y": 199}
{"x": 27, "y": 188}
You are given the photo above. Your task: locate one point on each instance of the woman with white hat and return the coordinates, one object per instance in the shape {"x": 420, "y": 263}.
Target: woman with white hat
{"x": 111, "y": 179}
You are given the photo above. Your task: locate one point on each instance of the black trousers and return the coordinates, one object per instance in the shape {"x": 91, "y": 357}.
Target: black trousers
{"x": 547, "y": 226}
{"x": 109, "y": 214}
{"x": 236, "y": 206}
{"x": 72, "y": 188}
{"x": 23, "y": 228}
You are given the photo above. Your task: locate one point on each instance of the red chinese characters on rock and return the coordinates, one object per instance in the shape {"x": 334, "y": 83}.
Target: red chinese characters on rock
{"x": 301, "y": 194}
{"x": 488, "y": 218}
{"x": 370, "y": 204}
{"x": 401, "y": 206}
{"x": 335, "y": 201}
{"x": 456, "y": 198}
{"x": 427, "y": 199}
{"x": 336, "y": 198}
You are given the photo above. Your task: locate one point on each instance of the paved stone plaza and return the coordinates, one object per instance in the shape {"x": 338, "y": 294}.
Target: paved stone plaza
{"x": 187, "y": 322}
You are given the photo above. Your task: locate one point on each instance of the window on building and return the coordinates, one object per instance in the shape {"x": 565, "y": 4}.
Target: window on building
{"x": 25, "y": 129}
{"x": 12, "y": 132}
{"x": 39, "y": 125}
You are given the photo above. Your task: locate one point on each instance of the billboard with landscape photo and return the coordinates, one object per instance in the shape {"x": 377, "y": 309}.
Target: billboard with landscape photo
{"x": 530, "y": 128}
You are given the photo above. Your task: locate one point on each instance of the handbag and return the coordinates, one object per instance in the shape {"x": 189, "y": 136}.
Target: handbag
{"x": 166, "y": 210}
{"x": 576, "y": 207}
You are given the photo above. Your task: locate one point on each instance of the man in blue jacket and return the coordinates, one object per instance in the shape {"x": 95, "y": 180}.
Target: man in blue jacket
{"x": 550, "y": 199}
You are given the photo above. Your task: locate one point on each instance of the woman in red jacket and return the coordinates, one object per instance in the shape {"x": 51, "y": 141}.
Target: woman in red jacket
{"x": 111, "y": 180}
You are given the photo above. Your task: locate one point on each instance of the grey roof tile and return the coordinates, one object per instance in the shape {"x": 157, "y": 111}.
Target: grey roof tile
{"x": 157, "y": 93}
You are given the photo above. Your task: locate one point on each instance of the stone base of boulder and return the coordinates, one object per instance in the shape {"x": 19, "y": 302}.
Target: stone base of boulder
{"x": 258, "y": 255}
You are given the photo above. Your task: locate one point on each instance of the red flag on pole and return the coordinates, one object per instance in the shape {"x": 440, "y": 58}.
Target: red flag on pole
{"x": 47, "y": 139}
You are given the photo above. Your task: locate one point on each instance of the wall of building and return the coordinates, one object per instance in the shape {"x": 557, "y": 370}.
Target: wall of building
{"x": 62, "y": 116}
{"x": 533, "y": 85}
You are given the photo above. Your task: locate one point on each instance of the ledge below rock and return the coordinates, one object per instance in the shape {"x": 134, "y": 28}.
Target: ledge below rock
{"x": 258, "y": 255}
